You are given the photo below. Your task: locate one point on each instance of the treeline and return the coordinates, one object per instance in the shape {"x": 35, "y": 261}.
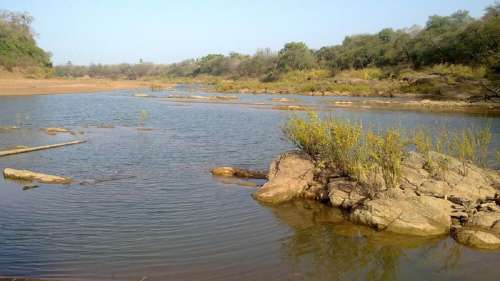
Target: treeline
{"x": 18, "y": 48}
{"x": 454, "y": 39}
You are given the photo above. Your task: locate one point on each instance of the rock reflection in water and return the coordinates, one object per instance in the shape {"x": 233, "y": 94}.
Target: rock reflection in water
{"x": 324, "y": 246}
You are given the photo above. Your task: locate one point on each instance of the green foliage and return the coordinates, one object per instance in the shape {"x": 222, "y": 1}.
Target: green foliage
{"x": 18, "y": 47}
{"x": 308, "y": 134}
{"x": 386, "y": 150}
{"x": 342, "y": 147}
{"x": 459, "y": 71}
{"x": 143, "y": 117}
{"x": 374, "y": 158}
{"x": 462, "y": 146}
{"x": 295, "y": 56}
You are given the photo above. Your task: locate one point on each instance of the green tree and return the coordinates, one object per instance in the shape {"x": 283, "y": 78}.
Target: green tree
{"x": 295, "y": 56}
{"x": 17, "y": 44}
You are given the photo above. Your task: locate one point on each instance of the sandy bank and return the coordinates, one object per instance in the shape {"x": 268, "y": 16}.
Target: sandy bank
{"x": 22, "y": 86}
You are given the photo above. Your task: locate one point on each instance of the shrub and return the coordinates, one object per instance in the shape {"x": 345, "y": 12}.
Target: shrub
{"x": 308, "y": 134}
{"x": 462, "y": 146}
{"x": 459, "y": 71}
{"x": 387, "y": 150}
{"x": 342, "y": 145}
{"x": 374, "y": 158}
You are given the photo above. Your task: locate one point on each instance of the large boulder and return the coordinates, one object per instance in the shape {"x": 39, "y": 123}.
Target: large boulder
{"x": 289, "y": 177}
{"x": 405, "y": 214}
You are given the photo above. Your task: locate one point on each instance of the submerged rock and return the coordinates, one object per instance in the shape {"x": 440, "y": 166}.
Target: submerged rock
{"x": 284, "y": 100}
{"x": 238, "y": 173}
{"x": 55, "y": 130}
{"x": 7, "y": 129}
{"x": 26, "y": 175}
{"x": 291, "y": 107}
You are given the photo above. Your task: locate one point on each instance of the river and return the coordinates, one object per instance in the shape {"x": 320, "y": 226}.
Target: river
{"x": 143, "y": 205}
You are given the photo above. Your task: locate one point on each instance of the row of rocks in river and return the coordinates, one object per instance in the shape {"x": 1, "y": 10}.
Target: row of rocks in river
{"x": 423, "y": 204}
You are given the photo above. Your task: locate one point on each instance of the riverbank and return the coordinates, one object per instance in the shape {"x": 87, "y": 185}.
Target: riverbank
{"x": 19, "y": 86}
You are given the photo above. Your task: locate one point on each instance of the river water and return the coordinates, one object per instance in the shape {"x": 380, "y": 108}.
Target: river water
{"x": 143, "y": 205}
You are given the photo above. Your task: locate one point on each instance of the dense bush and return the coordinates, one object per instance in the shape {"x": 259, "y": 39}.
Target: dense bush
{"x": 17, "y": 44}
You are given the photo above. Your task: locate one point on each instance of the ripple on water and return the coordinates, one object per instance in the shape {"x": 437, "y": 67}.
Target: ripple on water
{"x": 149, "y": 206}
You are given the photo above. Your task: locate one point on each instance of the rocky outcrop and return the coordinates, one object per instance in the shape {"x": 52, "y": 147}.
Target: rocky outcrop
{"x": 428, "y": 201}
{"x": 289, "y": 177}
{"x": 26, "y": 175}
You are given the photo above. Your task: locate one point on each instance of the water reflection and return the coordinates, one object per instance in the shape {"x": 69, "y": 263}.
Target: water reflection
{"x": 323, "y": 246}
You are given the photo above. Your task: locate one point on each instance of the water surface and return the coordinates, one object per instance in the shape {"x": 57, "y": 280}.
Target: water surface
{"x": 143, "y": 204}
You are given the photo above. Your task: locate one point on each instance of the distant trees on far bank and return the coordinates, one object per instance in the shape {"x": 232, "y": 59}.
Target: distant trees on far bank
{"x": 455, "y": 39}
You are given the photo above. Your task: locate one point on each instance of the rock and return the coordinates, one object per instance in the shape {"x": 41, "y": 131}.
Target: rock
{"x": 345, "y": 193}
{"x": 291, "y": 107}
{"x": 225, "y": 97}
{"x": 478, "y": 184}
{"x": 283, "y": 100}
{"x": 237, "y": 172}
{"x": 484, "y": 220}
{"x": 459, "y": 215}
{"x": 289, "y": 177}
{"x": 413, "y": 215}
{"x": 478, "y": 238}
{"x": 317, "y": 191}
{"x": 490, "y": 206}
{"x": 143, "y": 129}
{"x": 7, "y": 129}
{"x": 29, "y": 186}
{"x": 482, "y": 230}
{"x": 54, "y": 130}
{"x": 32, "y": 176}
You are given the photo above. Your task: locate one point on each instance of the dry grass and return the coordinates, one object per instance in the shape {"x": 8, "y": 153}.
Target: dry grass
{"x": 373, "y": 156}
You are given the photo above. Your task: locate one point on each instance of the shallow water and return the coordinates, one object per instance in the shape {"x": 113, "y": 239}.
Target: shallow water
{"x": 143, "y": 203}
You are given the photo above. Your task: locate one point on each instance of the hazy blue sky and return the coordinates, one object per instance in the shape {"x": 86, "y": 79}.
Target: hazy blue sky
{"x": 116, "y": 31}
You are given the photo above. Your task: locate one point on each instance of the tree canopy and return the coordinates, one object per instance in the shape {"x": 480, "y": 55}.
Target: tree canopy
{"x": 18, "y": 47}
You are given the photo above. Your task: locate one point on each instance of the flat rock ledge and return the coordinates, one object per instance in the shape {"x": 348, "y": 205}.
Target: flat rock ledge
{"x": 424, "y": 204}
{"x": 30, "y": 176}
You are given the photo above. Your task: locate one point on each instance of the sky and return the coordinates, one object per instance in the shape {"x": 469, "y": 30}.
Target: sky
{"x": 116, "y": 31}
